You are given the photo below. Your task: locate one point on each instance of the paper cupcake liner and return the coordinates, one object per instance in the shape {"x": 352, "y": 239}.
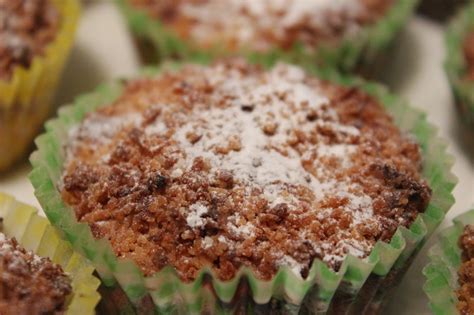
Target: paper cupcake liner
{"x": 26, "y": 99}
{"x": 455, "y": 64}
{"x": 115, "y": 301}
{"x": 359, "y": 284}
{"x": 34, "y": 233}
{"x": 442, "y": 271}
{"x": 358, "y": 52}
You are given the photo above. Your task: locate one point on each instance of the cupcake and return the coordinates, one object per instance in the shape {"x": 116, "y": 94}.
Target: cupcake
{"x": 440, "y": 10}
{"x": 348, "y": 35}
{"x": 230, "y": 187}
{"x": 35, "y": 38}
{"x": 40, "y": 274}
{"x": 30, "y": 282}
{"x": 449, "y": 283}
{"x": 459, "y": 63}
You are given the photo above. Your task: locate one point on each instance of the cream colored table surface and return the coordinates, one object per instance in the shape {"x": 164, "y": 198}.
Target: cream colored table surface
{"x": 103, "y": 51}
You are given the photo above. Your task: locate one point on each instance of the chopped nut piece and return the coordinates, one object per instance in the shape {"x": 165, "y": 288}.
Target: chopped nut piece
{"x": 225, "y": 178}
{"x": 269, "y": 128}
{"x": 193, "y": 137}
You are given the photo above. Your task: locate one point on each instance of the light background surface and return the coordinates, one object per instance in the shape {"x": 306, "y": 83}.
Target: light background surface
{"x": 104, "y": 51}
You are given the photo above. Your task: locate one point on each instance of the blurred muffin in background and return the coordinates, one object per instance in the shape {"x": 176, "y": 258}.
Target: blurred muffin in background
{"x": 35, "y": 39}
{"x": 34, "y": 284}
{"x": 345, "y": 34}
{"x": 459, "y": 64}
{"x": 449, "y": 275}
{"x": 40, "y": 273}
{"x": 468, "y": 50}
{"x": 440, "y": 10}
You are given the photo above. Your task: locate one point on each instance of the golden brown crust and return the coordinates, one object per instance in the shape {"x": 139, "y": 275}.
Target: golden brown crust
{"x": 246, "y": 24}
{"x": 26, "y": 28}
{"x": 229, "y": 166}
{"x": 30, "y": 284}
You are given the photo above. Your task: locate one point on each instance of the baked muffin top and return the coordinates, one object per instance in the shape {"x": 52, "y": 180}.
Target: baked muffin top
{"x": 469, "y": 55}
{"x": 30, "y": 284}
{"x": 231, "y": 165}
{"x": 26, "y": 28}
{"x": 466, "y": 272}
{"x": 264, "y": 24}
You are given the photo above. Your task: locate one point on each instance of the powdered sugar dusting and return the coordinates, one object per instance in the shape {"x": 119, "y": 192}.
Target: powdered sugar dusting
{"x": 195, "y": 215}
{"x": 103, "y": 128}
{"x": 238, "y": 228}
{"x": 207, "y": 242}
{"x": 8, "y": 246}
{"x": 279, "y": 100}
{"x": 291, "y": 263}
{"x": 246, "y": 20}
{"x": 252, "y": 158}
{"x": 3, "y": 243}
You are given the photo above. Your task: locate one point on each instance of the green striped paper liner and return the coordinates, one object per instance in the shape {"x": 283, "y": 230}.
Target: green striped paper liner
{"x": 456, "y": 65}
{"x": 357, "y": 52}
{"x": 35, "y": 233}
{"x": 285, "y": 289}
{"x": 442, "y": 271}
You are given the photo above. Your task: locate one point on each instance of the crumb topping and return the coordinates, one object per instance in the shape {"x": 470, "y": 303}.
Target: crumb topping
{"x": 465, "y": 304}
{"x": 30, "y": 284}
{"x": 230, "y": 165}
{"x": 469, "y": 55}
{"x": 264, "y": 24}
{"x": 26, "y": 28}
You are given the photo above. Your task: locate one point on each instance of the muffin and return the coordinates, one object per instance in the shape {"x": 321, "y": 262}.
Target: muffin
{"x": 349, "y": 35}
{"x": 459, "y": 63}
{"x": 29, "y": 282}
{"x": 449, "y": 282}
{"x": 40, "y": 272}
{"x": 440, "y": 10}
{"x": 229, "y": 187}
{"x": 35, "y": 39}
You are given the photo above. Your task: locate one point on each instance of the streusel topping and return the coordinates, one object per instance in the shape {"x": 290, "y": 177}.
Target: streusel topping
{"x": 264, "y": 24}
{"x": 230, "y": 165}
{"x": 465, "y": 304}
{"x": 26, "y": 28}
{"x": 30, "y": 284}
